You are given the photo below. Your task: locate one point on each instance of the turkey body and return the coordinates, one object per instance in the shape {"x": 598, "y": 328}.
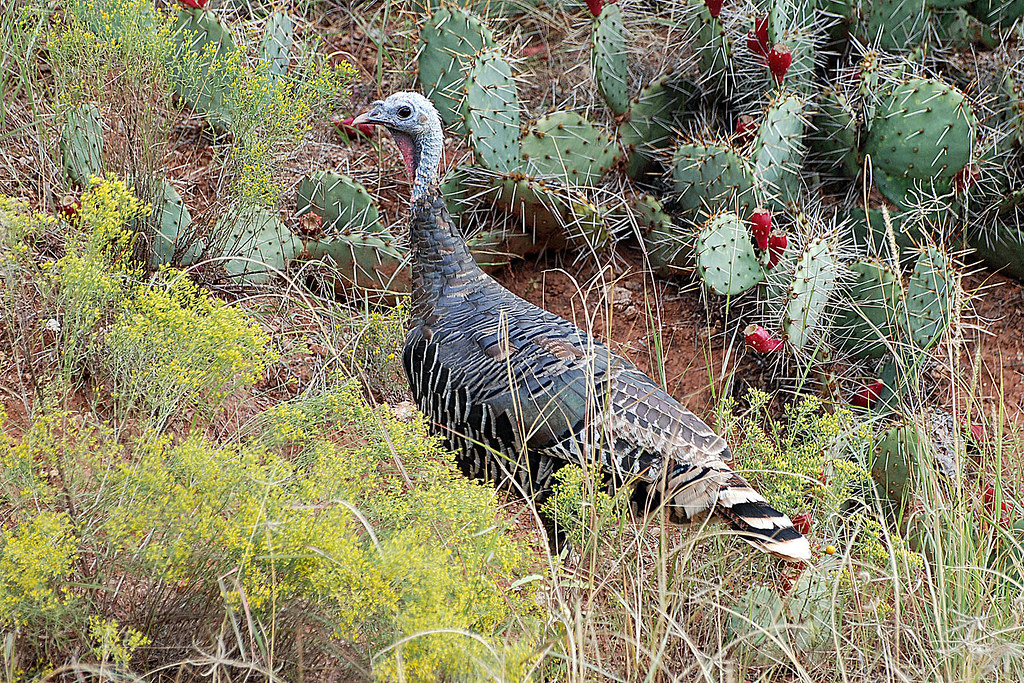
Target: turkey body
{"x": 518, "y": 392}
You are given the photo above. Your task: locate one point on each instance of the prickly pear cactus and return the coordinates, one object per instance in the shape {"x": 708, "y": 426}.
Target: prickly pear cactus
{"x": 365, "y": 254}
{"x": 931, "y": 296}
{"x": 556, "y": 215}
{"x": 666, "y": 249}
{"x": 609, "y": 58}
{"x": 779, "y": 150}
{"x": 490, "y": 110}
{"x": 343, "y": 204}
{"x": 368, "y": 263}
{"x": 812, "y": 286}
{"x": 566, "y": 146}
{"x": 726, "y": 261}
{"x": 835, "y": 135}
{"x": 256, "y": 244}
{"x": 170, "y": 222}
{"x": 896, "y": 453}
{"x": 922, "y": 135}
{"x": 713, "y": 47}
{"x": 276, "y": 46}
{"x": 81, "y": 143}
{"x": 449, "y": 40}
{"x": 648, "y": 128}
{"x": 868, "y": 318}
{"x": 710, "y": 178}
{"x": 200, "y": 41}
{"x": 757, "y": 618}
{"x": 999, "y": 13}
{"x": 895, "y": 25}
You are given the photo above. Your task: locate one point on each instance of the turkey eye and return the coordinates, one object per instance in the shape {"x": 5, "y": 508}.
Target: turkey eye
{"x": 405, "y": 112}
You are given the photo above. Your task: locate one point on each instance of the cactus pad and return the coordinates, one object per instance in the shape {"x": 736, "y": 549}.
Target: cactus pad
{"x": 490, "y": 110}
{"x": 343, "y": 204}
{"x": 170, "y": 221}
{"x": 566, "y": 146}
{"x": 895, "y": 455}
{"x": 709, "y": 178}
{"x": 895, "y": 25}
{"x": 81, "y": 143}
{"x": 609, "y": 58}
{"x": 553, "y": 214}
{"x": 449, "y": 41}
{"x": 198, "y": 32}
{"x": 648, "y": 129}
{"x": 370, "y": 264}
{"x": 276, "y": 46}
{"x": 778, "y": 150}
{"x": 814, "y": 281}
{"x": 931, "y": 291}
{"x": 922, "y": 133}
{"x": 726, "y": 261}
{"x": 868, "y": 318}
{"x": 256, "y": 243}
{"x": 664, "y": 245}
{"x": 835, "y": 135}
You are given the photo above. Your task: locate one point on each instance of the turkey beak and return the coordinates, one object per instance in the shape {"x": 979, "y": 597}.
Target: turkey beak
{"x": 370, "y": 117}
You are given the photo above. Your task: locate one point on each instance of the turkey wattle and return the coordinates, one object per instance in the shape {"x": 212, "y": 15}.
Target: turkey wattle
{"x": 518, "y": 392}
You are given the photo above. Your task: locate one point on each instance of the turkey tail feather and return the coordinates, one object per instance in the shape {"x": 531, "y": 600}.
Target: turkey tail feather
{"x": 764, "y": 527}
{"x": 717, "y": 489}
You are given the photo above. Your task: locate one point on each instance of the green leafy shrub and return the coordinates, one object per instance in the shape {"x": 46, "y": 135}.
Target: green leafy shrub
{"x": 407, "y": 563}
{"x": 175, "y": 347}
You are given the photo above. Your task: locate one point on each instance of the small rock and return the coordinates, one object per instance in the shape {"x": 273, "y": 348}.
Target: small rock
{"x": 404, "y": 411}
{"x": 621, "y": 297}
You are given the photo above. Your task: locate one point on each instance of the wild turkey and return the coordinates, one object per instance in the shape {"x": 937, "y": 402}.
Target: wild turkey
{"x": 518, "y": 392}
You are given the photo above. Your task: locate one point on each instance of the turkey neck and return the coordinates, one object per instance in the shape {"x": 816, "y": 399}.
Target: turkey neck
{"x": 441, "y": 263}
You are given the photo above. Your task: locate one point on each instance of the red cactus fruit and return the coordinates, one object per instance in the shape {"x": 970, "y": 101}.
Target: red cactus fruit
{"x": 965, "y": 178}
{"x": 194, "y": 4}
{"x": 757, "y": 39}
{"x": 1005, "y": 506}
{"x": 714, "y": 7}
{"x": 595, "y": 6}
{"x": 779, "y": 59}
{"x": 746, "y": 128}
{"x": 761, "y": 227}
{"x": 69, "y": 206}
{"x": 540, "y": 51}
{"x": 347, "y": 130}
{"x": 868, "y": 395}
{"x": 802, "y": 522}
{"x": 978, "y": 432}
{"x": 777, "y": 244}
{"x": 761, "y": 340}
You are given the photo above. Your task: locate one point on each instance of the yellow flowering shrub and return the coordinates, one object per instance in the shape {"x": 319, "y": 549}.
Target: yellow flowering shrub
{"x": 790, "y": 461}
{"x": 580, "y": 506}
{"x": 132, "y": 36}
{"x": 267, "y": 115}
{"x": 173, "y": 347}
{"x": 373, "y": 347}
{"x": 409, "y": 565}
{"x": 95, "y": 272}
{"x": 19, "y": 226}
{"x": 36, "y": 556}
{"x": 114, "y": 643}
